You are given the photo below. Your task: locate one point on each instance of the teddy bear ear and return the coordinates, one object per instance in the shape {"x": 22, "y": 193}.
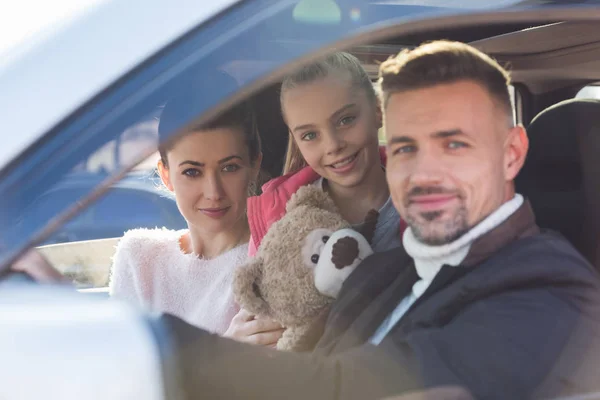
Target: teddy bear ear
{"x": 246, "y": 288}
{"x": 369, "y": 226}
{"x": 311, "y": 196}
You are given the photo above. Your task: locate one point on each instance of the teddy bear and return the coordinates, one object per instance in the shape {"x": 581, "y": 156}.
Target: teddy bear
{"x": 300, "y": 266}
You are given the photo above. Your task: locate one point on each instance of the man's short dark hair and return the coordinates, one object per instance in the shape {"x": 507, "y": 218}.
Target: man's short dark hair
{"x": 444, "y": 62}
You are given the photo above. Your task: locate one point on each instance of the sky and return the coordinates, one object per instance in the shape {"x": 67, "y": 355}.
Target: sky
{"x": 26, "y": 19}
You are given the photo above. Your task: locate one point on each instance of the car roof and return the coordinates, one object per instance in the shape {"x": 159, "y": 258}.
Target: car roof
{"x": 35, "y": 99}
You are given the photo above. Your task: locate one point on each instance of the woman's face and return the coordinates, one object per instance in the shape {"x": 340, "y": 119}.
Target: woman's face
{"x": 210, "y": 171}
{"x": 335, "y": 127}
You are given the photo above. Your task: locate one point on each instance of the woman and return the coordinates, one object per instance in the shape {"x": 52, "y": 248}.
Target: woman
{"x": 210, "y": 170}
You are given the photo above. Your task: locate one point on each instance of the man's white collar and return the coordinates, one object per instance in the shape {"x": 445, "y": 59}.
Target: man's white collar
{"x": 429, "y": 259}
{"x": 417, "y": 249}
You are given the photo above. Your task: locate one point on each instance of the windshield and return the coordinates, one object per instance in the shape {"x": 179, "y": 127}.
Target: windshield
{"x": 118, "y": 130}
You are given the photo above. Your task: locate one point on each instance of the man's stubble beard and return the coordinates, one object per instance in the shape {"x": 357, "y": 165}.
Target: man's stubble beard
{"x": 434, "y": 233}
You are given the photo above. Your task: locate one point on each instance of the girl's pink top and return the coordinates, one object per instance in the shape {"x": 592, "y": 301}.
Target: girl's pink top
{"x": 269, "y": 207}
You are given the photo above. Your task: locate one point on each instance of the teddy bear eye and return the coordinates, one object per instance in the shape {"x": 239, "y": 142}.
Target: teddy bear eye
{"x": 325, "y": 239}
{"x": 315, "y": 258}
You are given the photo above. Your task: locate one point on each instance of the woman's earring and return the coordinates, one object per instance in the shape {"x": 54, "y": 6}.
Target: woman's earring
{"x": 252, "y": 188}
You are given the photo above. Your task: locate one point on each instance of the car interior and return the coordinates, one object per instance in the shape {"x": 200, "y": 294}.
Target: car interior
{"x": 550, "y": 62}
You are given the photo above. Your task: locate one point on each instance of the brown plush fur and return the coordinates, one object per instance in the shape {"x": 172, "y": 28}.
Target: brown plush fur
{"x": 277, "y": 282}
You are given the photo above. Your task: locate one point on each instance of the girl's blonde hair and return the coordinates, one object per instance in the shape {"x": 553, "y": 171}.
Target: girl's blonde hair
{"x": 339, "y": 62}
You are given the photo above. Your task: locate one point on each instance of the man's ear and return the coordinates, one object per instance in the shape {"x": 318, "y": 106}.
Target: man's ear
{"x": 516, "y": 147}
{"x": 163, "y": 171}
{"x": 246, "y": 287}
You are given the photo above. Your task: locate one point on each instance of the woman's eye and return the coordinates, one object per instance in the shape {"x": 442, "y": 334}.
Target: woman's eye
{"x": 231, "y": 168}
{"x": 456, "y": 145}
{"x": 192, "y": 173}
{"x": 347, "y": 120}
{"x": 309, "y": 136}
{"x": 314, "y": 258}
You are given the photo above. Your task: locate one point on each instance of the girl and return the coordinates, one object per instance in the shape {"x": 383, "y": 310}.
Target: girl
{"x": 189, "y": 273}
{"x": 333, "y": 117}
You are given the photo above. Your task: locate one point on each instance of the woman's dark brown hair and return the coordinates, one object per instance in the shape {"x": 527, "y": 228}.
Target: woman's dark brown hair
{"x": 185, "y": 105}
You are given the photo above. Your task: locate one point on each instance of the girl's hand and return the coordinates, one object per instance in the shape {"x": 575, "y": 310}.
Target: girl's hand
{"x": 248, "y": 328}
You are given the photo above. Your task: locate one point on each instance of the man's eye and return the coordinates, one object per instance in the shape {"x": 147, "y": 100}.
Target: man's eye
{"x": 309, "y": 136}
{"x": 405, "y": 149}
{"x": 347, "y": 120}
{"x": 231, "y": 168}
{"x": 192, "y": 173}
{"x": 456, "y": 145}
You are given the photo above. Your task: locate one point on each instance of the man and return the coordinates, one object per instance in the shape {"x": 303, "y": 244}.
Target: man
{"x": 478, "y": 299}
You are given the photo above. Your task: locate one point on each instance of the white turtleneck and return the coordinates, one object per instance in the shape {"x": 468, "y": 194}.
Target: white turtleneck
{"x": 430, "y": 259}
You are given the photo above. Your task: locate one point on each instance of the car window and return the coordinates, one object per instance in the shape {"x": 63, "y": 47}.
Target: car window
{"x": 139, "y": 201}
{"x": 589, "y": 92}
{"x": 252, "y": 42}
{"x": 146, "y": 210}
{"x": 52, "y": 203}
{"x": 515, "y": 101}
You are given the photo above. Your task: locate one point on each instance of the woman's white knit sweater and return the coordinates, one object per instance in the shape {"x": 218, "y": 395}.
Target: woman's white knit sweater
{"x": 150, "y": 270}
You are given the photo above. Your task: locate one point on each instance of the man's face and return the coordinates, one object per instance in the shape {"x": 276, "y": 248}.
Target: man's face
{"x": 452, "y": 156}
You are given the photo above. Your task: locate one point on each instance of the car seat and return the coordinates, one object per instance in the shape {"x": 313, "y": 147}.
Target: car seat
{"x": 273, "y": 131}
{"x": 561, "y": 173}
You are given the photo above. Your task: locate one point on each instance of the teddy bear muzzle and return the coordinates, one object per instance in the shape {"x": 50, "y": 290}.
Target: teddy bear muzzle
{"x": 342, "y": 253}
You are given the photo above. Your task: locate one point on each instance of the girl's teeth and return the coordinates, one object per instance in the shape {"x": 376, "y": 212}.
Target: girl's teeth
{"x": 343, "y": 163}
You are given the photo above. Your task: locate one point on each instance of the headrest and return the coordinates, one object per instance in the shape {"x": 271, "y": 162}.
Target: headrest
{"x": 554, "y": 142}
{"x": 561, "y": 169}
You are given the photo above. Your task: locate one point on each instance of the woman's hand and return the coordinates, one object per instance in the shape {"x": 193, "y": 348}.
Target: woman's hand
{"x": 248, "y": 328}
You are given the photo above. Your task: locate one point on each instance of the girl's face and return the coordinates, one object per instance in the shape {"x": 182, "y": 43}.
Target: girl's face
{"x": 209, "y": 172}
{"x": 335, "y": 127}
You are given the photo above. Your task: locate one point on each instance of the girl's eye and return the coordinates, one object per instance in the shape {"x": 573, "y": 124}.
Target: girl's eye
{"x": 456, "y": 145}
{"x": 192, "y": 173}
{"x": 309, "y": 136}
{"x": 231, "y": 168}
{"x": 347, "y": 120}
